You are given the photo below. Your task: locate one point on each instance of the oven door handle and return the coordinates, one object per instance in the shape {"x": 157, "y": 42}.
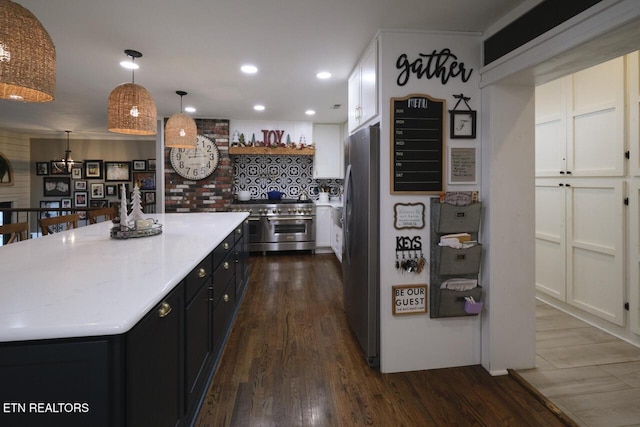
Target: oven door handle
{"x": 290, "y": 218}
{"x": 251, "y": 218}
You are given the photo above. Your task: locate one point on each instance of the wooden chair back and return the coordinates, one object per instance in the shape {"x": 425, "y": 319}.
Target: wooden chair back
{"x": 18, "y": 231}
{"x": 70, "y": 221}
{"x": 94, "y": 214}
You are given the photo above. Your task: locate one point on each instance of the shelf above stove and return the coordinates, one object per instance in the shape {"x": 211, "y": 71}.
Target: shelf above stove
{"x": 271, "y": 151}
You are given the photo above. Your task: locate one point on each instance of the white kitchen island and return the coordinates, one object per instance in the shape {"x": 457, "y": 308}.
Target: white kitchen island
{"x": 88, "y": 323}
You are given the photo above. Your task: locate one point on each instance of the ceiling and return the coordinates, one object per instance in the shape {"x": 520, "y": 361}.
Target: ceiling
{"x": 199, "y": 45}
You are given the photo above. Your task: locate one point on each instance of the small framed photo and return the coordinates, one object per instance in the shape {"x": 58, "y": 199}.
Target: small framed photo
{"x": 56, "y": 186}
{"x": 139, "y": 165}
{"x": 111, "y": 190}
{"x": 80, "y": 199}
{"x": 97, "y": 190}
{"x": 51, "y": 204}
{"x": 93, "y": 169}
{"x": 151, "y": 164}
{"x": 65, "y": 203}
{"x": 149, "y": 197}
{"x": 463, "y": 124}
{"x": 76, "y": 172}
{"x": 58, "y": 167}
{"x": 146, "y": 180}
{"x": 42, "y": 168}
{"x": 117, "y": 171}
{"x": 98, "y": 203}
{"x": 80, "y": 185}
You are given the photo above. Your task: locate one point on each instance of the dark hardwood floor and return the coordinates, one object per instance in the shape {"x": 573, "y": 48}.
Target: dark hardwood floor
{"x": 291, "y": 360}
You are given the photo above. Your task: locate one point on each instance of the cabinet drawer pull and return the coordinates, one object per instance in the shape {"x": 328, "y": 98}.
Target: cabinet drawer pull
{"x": 226, "y": 265}
{"x": 225, "y": 298}
{"x": 164, "y": 310}
{"x": 202, "y": 273}
{"x": 226, "y": 245}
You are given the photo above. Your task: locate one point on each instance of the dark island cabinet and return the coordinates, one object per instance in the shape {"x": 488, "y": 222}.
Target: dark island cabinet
{"x": 154, "y": 365}
{"x": 156, "y": 374}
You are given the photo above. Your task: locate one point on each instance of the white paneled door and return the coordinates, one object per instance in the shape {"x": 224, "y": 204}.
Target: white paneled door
{"x": 595, "y": 247}
{"x": 580, "y": 244}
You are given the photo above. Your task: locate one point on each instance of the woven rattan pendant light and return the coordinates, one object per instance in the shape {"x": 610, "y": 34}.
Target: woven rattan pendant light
{"x": 27, "y": 56}
{"x": 131, "y": 109}
{"x": 180, "y": 130}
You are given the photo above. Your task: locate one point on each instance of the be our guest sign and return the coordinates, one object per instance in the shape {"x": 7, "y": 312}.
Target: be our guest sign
{"x": 409, "y": 299}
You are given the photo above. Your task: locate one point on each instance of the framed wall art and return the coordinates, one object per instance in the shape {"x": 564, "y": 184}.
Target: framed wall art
{"x": 117, "y": 171}
{"x": 139, "y": 165}
{"x": 80, "y": 199}
{"x": 145, "y": 180}
{"x": 93, "y": 169}
{"x": 76, "y": 172}
{"x": 58, "y": 167}
{"x": 80, "y": 185}
{"x": 151, "y": 164}
{"x": 97, "y": 190}
{"x": 111, "y": 190}
{"x": 463, "y": 124}
{"x": 56, "y": 186}
{"x": 42, "y": 168}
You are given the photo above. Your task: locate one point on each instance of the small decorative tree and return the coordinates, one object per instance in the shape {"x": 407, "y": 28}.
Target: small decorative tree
{"x": 136, "y": 204}
{"x": 124, "y": 216}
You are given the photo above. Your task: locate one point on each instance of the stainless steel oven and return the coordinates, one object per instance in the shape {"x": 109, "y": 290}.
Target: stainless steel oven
{"x": 279, "y": 225}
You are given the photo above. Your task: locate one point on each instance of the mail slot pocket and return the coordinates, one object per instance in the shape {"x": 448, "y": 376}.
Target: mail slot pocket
{"x": 454, "y": 219}
{"x": 452, "y": 302}
{"x": 460, "y": 261}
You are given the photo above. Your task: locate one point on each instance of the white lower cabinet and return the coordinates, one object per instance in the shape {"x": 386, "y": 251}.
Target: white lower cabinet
{"x": 580, "y": 244}
{"x": 323, "y": 229}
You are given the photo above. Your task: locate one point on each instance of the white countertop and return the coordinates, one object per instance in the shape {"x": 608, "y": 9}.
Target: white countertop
{"x": 83, "y": 283}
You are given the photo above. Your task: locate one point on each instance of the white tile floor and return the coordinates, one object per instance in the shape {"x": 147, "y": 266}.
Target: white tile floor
{"x": 592, "y": 376}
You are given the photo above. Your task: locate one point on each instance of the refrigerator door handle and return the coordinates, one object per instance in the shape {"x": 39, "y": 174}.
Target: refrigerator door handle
{"x": 346, "y": 215}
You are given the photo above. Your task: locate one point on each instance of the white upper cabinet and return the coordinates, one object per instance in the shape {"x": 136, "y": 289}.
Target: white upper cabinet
{"x": 363, "y": 89}
{"x": 580, "y": 123}
{"x": 328, "y": 158}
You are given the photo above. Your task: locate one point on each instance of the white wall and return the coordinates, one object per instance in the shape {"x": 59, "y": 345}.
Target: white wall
{"x": 418, "y": 342}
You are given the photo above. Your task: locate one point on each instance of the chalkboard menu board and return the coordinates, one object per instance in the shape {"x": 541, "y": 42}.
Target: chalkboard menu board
{"x": 417, "y": 145}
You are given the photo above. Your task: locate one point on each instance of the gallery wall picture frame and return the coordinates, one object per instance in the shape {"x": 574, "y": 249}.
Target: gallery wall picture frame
{"x": 117, "y": 171}
{"x": 93, "y": 169}
{"x": 42, "y": 168}
{"x": 462, "y": 124}
{"x": 97, "y": 190}
{"x": 76, "y": 172}
{"x": 80, "y": 185}
{"x": 111, "y": 190}
{"x": 98, "y": 203}
{"x": 151, "y": 164}
{"x": 146, "y": 180}
{"x": 80, "y": 199}
{"x": 58, "y": 167}
{"x": 149, "y": 197}
{"x": 51, "y": 204}
{"x": 139, "y": 165}
{"x": 54, "y": 186}
{"x": 66, "y": 203}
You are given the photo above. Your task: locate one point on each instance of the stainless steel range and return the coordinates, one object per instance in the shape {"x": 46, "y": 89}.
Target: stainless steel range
{"x": 279, "y": 225}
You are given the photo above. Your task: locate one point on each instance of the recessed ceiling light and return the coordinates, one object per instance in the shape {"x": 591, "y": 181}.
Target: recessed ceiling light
{"x": 309, "y": 112}
{"x": 189, "y": 109}
{"x": 258, "y": 107}
{"x": 323, "y": 75}
{"x": 249, "y": 69}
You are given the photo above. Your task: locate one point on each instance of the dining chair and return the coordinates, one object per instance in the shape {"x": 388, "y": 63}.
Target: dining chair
{"x": 18, "y": 231}
{"x": 106, "y": 213}
{"x": 69, "y": 221}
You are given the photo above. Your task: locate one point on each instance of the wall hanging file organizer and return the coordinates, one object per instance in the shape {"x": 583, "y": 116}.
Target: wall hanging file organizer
{"x": 459, "y": 268}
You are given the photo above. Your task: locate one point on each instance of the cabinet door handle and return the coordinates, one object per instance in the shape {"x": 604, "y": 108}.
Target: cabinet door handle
{"x": 202, "y": 273}
{"x": 225, "y": 298}
{"x": 226, "y": 245}
{"x": 164, "y": 310}
{"x": 226, "y": 265}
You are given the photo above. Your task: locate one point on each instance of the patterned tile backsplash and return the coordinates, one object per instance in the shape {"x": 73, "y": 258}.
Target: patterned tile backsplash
{"x": 289, "y": 174}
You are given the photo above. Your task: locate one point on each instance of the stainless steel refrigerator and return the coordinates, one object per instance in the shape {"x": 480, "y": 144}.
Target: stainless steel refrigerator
{"x": 360, "y": 254}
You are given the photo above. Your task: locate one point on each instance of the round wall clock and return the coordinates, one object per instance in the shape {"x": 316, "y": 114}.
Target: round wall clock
{"x": 196, "y": 163}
